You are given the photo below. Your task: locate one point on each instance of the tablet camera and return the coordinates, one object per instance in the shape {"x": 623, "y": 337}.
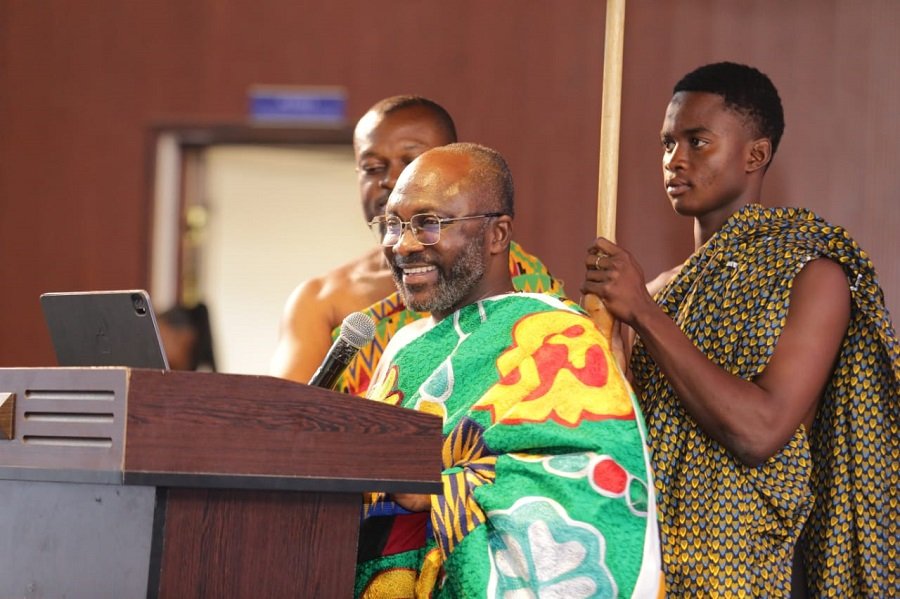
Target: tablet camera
{"x": 140, "y": 306}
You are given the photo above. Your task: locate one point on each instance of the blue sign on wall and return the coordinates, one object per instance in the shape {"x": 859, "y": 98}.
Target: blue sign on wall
{"x": 307, "y": 105}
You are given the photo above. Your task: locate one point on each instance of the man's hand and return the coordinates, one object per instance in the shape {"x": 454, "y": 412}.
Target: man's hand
{"x": 613, "y": 276}
{"x": 413, "y": 502}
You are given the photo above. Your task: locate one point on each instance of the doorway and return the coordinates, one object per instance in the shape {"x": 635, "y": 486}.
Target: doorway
{"x": 245, "y": 220}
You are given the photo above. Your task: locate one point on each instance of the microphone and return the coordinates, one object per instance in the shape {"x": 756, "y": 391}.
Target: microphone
{"x": 357, "y": 330}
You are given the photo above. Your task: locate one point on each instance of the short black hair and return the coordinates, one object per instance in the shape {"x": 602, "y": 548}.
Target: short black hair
{"x": 743, "y": 89}
{"x": 441, "y": 117}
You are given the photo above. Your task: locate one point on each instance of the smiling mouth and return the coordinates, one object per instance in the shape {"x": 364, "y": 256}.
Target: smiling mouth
{"x": 415, "y": 277}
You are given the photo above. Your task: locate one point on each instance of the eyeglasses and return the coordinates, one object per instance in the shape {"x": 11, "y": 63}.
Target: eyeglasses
{"x": 426, "y": 227}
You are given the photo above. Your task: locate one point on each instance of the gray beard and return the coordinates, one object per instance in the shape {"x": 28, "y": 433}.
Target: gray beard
{"x": 464, "y": 275}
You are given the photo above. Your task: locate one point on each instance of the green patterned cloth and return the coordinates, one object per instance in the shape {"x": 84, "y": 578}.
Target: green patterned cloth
{"x": 391, "y": 314}
{"x": 729, "y": 530}
{"x": 547, "y": 490}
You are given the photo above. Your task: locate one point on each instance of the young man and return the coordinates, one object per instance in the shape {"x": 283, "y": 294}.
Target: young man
{"x": 547, "y": 486}
{"x": 767, "y": 369}
{"x": 386, "y": 139}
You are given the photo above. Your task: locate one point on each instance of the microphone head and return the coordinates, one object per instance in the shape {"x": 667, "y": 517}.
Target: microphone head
{"x": 357, "y": 329}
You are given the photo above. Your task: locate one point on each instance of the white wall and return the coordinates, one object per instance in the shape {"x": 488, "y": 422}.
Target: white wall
{"x": 277, "y": 216}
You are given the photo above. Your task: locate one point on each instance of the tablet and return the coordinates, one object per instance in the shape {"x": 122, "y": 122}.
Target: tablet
{"x": 104, "y": 328}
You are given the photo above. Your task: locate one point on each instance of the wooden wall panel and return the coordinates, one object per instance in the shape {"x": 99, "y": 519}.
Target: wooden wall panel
{"x": 82, "y": 83}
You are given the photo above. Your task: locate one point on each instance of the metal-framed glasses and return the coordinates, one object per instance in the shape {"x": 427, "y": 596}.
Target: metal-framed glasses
{"x": 425, "y": 227}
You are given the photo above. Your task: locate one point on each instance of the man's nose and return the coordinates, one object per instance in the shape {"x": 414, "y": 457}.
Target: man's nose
{"x": 674, "y": 159}
{"x": 407, "y": 244}
{"x": 390, "y": 175}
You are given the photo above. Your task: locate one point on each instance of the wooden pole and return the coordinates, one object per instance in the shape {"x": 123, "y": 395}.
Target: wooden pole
{"x": 610, "y": 117}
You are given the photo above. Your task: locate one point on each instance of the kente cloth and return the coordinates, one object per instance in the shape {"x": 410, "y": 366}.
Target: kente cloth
{"x": 729, "y": 530}
{"x": 390, "y": 314}
{"x": 547, "y": 490}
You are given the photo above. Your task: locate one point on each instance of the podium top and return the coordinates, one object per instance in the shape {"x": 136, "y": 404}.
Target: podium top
{"x": 195, "y": 429}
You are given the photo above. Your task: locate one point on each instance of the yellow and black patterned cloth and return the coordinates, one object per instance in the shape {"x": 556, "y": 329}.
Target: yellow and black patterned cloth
{"x": 528, "y": 274}
{"x": 729, "y": 530}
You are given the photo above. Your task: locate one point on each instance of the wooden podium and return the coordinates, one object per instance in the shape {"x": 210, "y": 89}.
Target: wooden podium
{"x": 122, "y": 483}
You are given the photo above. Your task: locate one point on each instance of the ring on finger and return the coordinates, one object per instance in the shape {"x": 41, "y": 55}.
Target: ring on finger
{"x": 597, "y": 261}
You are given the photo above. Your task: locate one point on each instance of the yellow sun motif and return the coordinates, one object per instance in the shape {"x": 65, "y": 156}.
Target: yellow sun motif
{"x": 559, "y": 368}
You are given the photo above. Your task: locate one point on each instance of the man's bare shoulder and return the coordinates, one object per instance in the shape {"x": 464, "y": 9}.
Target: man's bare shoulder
{"x": 368, "y": 275}
{"x": 347, "y": 288}
{"x": 318, "y": 305}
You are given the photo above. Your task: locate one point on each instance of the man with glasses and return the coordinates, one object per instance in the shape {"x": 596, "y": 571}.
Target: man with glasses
{"x": 386, "y": 139}
{"x": 547, "y": 485}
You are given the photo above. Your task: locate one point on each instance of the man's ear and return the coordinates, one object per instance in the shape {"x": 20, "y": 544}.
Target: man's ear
{"x": 760, "y": 154}
{"x": 501, "y": 233}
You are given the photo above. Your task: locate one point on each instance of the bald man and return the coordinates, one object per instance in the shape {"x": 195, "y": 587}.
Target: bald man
{"x": 386, "y": 139}
{"x": 547, "y": 484}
